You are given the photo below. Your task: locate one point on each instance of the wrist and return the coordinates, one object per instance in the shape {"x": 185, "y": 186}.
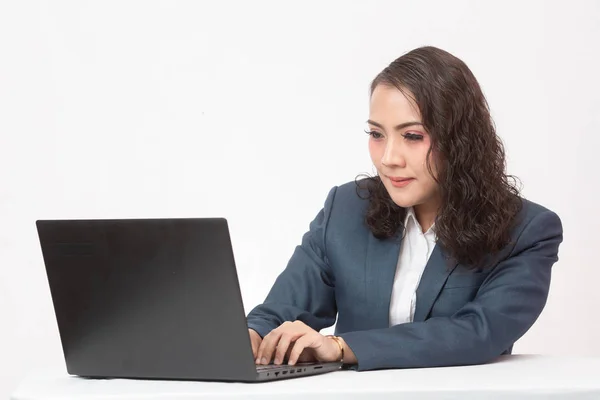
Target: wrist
{"x": 339, "y": 345}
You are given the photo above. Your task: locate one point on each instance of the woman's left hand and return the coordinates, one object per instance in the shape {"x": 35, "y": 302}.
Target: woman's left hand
{"x": 295, "y": 338}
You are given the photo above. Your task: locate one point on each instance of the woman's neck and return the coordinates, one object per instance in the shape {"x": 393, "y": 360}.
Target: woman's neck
{"x": 426, "y": 214}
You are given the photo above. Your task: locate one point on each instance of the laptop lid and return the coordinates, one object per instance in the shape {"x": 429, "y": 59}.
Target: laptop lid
{"x": 156, "y": 298}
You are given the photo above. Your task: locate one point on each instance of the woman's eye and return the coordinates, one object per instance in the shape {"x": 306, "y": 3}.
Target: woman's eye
{"x": 374, "y": 134}
{"x": 412, "y": 136}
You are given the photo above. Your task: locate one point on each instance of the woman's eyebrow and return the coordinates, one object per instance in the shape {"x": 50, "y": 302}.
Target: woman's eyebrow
{"x": 397, "y": 127}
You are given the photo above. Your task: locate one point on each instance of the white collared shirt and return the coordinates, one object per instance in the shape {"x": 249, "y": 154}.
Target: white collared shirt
{"x": 415, "y": 250}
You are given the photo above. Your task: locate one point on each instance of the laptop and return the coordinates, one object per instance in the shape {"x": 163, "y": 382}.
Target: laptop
{"x": 152, "y": 299}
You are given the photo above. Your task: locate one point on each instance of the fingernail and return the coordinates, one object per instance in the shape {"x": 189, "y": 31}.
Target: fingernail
{"x": 277, "y": 361}
{"x": 264, "y": 360}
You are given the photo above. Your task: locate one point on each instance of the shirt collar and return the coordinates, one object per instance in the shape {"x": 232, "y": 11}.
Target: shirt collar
{"x": 411, "y": 216}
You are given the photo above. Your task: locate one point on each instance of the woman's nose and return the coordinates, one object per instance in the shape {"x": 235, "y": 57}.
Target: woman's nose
{"x": 392, "y": 155}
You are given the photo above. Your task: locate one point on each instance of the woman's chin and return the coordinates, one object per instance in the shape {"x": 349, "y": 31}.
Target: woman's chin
{"x": 402, "y": 201}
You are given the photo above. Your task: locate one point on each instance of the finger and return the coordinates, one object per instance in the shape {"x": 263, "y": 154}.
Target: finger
{"x": 254, "y": 341}
{"x": 253, "y": 344}
{"x": 298, "y": 348}
{"x": 289, "y": 350}
{"x": 284, "y": 345}
{"x": 269, "y": 350}
{"x": 262, "y": 345}
{"x": 254, "y": 349}
{"x": 261, "y": 349}
{"x": 267, "y": 347}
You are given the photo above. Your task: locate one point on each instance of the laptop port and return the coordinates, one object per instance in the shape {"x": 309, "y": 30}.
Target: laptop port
{"x": 318, "y": 367}
{"x": 283, "y": 372}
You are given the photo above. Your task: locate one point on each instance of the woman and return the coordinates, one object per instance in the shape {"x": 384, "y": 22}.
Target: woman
{"x": 436, "y": 261}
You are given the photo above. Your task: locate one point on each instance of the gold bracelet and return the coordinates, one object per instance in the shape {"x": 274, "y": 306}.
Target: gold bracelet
{"x": 340, "y": 345}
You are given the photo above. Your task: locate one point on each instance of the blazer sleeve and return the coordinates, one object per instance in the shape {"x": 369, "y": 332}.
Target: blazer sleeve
{"x": 504, "y": 308}
{"x": 304, "y": 290}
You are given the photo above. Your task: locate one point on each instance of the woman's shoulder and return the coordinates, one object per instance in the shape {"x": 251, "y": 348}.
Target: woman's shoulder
{"x": 534, "y": 212}
{"x": 351, "y": 195}
{"x": 346, "y": 205}
{"x": 535, "y": 223}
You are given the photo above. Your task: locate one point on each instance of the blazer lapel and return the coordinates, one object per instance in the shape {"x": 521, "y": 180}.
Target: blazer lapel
{"x": 433, "y": 279}
{"x": 382, "y": 258}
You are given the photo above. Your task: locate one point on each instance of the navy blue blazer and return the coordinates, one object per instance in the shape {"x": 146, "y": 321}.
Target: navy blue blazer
{"x": 462, "y": 317}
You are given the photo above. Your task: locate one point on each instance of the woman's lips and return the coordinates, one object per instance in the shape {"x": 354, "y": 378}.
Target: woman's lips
{"x": 400, "y": 182}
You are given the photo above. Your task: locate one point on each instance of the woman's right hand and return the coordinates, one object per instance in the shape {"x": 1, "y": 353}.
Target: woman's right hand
{"x": 256, "y": 340}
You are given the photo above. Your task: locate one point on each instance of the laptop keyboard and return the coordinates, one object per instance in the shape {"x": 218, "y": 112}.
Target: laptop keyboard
{"x": 298, "y": 366}
{"x": 270, "y": 366}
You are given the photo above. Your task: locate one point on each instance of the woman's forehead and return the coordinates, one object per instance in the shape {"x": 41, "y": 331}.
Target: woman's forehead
{"x": 389, "y": 105}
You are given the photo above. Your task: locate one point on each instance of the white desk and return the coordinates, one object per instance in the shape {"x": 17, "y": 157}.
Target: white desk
{"x": 511, "y": 377}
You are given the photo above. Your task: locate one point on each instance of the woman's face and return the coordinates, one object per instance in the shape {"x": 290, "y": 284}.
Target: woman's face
{"x": 398, "y": 145}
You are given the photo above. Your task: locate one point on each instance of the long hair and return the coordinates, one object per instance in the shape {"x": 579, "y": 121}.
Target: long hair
{"x": 479, "y": 202}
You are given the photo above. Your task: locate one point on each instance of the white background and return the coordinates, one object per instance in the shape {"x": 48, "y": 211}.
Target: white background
{"x": 253, "y": 111}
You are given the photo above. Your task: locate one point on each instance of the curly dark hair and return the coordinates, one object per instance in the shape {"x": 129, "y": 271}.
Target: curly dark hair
{"x": 479, "y": 202}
